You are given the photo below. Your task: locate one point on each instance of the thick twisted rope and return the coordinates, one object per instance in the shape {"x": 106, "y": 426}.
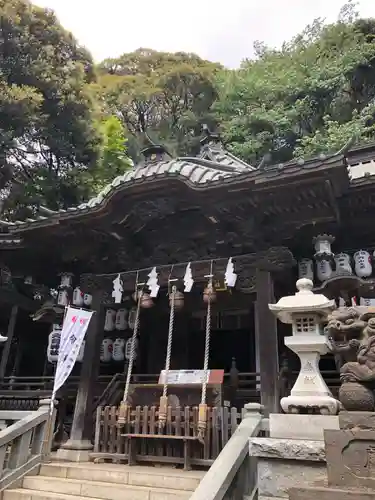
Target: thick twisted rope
{"x": 202, "y": 417}
{"x": 169, "y": 344}
{"x": 132, "y": 351}
{"x": 164, "y": 398}
{"x": 206, "y": 351}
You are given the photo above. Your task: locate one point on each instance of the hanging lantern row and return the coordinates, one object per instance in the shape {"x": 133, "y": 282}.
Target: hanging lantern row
{"x": 110, "y": 350}
{"x": 329, "y": 265}
{"x": 153, "y": 287}
{"x": 116, "y": 350}
{"x": 53, "y": 347}
{"x": 361, "y": 265}
{"x": 119, "y": 320}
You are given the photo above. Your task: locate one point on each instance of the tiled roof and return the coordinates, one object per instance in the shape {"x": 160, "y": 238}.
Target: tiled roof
{"x": 213, "y": 164}
{"x": 213, "y": 167}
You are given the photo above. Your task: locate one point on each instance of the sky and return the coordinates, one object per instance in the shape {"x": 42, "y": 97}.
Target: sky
{"x": 221, "y": 30}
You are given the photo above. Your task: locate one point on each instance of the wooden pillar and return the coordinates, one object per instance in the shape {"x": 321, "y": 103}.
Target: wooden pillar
{"x": 79, "y": 445}
{"x": 266, "y": 343}
{"x": 8, "y": 343}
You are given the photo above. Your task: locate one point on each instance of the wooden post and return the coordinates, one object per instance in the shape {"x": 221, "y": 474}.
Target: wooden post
{"x": 79, "y": 445}
{"x": 266, "y": 343}
{"x": 8, "y": 343}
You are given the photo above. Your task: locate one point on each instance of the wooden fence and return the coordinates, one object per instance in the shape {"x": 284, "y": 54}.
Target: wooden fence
{"x": 111, "y": 445}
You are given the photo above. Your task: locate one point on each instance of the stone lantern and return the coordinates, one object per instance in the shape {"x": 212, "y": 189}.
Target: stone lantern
{"x": 307, "y": 312}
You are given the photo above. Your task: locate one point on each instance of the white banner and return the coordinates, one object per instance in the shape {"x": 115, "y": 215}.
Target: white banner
{"x": 73, "y": 332}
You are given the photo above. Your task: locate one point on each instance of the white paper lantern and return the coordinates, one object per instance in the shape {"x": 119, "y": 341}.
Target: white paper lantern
{"x": 118, "y": 353}
{"x": 106, "y": 349}
{"x": 53, "y": 346}
{"x": 363, "y": 266}
{"x": 306, "y": 269}
{"x": 87, "y": 299}
{"x": 77, "y": 297}
{"x": 323, "y": 270}
{"x": 62, "y": 298}
{"x": 121, "y": 323}
{"x": 343, "y": 265}
{"x": 109, "y": 322}
{"x": 131, "y": 318}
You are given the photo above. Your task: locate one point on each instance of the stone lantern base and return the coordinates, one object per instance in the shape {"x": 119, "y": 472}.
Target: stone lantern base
{"x": 325, "y": 405}
{"x": 310, "y": 392}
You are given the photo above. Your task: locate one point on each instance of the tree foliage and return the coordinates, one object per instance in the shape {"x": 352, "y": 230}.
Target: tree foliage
{"x": 48, "y": 131}
{"x": 167, "y": 95}
{"x": 311, "y": 96}
{"x": 67, "y": 127}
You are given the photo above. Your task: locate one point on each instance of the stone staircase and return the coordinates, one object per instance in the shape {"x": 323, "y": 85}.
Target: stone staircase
{"x": 88, "y": 481}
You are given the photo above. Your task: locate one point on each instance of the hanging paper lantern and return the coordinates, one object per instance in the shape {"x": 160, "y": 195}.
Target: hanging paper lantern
{"x": 178, "y": 300}
{"x": 106, "y": 349}
{"x": 306, "y": 269}
{"x": 63, "y": 298}
{"x": 121, "y": 323}
{"x": 87, "y": 299}
{"x": 363, "y": 266}
{"x": 324, "y": 270}
{"x": 343, "y": 266}
{"x": 118, "y": 353}
{"x": 109, "y": 322}
{"x": 131, "y": 318}
{"x": 77, "y": 297}
{"x": 209, "y": 293}
{"x": 54, "y": 344}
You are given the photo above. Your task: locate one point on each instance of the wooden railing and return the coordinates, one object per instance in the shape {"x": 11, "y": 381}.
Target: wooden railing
{"x": 233, "y": 475}
{"x": 25, "y": 444}
{"x": 110, "y": 444}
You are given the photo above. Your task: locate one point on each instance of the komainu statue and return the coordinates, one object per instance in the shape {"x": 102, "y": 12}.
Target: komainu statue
{"x": 352, "y": 338}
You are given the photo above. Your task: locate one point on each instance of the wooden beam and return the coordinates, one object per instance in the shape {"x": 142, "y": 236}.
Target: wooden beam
{"x": 8, "y": 343}
{"x": 266, "y": 343}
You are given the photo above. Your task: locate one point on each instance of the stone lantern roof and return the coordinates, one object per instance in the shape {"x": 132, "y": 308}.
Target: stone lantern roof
{"x": 304, "y": 301}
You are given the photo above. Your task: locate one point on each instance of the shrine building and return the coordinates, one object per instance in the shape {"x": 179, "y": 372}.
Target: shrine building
{"x": 163, "y": 215}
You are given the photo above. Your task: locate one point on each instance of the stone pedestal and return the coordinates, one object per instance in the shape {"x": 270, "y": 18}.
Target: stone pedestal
{"x": 310, "y": 390}
{"x": 350, "y": 455}
{"x": 307, "y": 427}
{"x": 294, "y": 454}
{"x": 286, "y": 463}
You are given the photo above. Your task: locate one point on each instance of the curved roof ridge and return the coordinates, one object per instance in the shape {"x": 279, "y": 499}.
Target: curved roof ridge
{"x": 221, "y": 156}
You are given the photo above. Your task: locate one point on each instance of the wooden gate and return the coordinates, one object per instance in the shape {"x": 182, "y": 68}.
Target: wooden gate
{"x": 111, "y": 445}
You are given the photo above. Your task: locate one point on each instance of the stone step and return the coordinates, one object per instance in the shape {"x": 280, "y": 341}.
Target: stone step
{"x": 163, "y": 477}
{"x": 100, "y": 489}
{"x": 329, "y": 493}
{"x": 23, "y": 494}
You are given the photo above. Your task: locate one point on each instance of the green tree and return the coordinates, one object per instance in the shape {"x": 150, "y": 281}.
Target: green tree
{"x": 48, "y": 131}
{"x": 167, "y": 95}
{"x": 113, "y": 159}
{"x": 311, "y": 96}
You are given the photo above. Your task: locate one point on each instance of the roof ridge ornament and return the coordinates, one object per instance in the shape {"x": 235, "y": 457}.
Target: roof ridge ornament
{"x": 153, "y": 152}
{"x": 209, "y": 137}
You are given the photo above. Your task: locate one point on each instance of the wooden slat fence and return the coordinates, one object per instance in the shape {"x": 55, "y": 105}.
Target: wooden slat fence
{"x": 111, "y": 446}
